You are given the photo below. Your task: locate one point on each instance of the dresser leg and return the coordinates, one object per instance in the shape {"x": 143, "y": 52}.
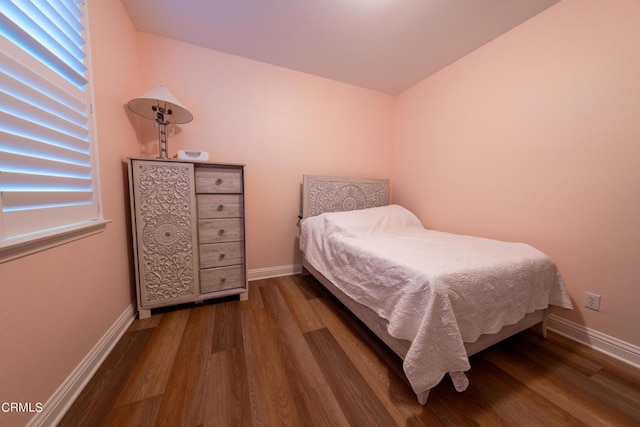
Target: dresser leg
{"x": 143, "y": 314}
{"x": 244, "y": 296}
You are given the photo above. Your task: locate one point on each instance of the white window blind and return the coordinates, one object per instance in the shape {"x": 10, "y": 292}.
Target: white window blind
{"x": 47, "y": 155}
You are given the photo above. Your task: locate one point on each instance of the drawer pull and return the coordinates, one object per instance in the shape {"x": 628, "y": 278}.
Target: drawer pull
{"x": 221, "y": 232}
{"x": 223, "y": 280}
{"x": 221, "y": 257}
{"x": 220, "y": 207}
{"x": 218, "y": 181}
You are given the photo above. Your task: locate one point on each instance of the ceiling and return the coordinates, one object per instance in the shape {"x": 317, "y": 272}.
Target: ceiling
{"x": 384, "y": 45}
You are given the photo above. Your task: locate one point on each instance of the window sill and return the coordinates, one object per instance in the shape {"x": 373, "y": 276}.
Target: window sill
{"x": 20, "y": 246}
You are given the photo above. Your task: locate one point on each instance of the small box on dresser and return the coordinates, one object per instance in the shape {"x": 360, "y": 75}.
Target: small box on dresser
{"x": 188, "y": 225}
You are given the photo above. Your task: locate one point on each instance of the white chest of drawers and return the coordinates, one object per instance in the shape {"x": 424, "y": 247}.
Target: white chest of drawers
{"x": 188, "y": 227}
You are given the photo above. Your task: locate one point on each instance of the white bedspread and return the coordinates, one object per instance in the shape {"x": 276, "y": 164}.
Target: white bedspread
{"x": 435, "y": 289}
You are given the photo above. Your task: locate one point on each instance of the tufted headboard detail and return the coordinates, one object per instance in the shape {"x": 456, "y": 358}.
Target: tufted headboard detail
{"x": 335, "y": 194}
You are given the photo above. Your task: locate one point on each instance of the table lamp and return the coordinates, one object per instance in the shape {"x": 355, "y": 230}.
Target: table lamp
{"x": 160, "y": 105}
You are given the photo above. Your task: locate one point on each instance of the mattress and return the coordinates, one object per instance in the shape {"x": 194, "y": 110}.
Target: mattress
{"x": 437, "y": 290}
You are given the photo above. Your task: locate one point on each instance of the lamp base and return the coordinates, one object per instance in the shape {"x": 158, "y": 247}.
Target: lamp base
{"x": 163, "y": 141}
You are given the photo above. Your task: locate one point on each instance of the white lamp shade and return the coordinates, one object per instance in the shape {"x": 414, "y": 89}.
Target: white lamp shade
{"x": 160, "y": 96}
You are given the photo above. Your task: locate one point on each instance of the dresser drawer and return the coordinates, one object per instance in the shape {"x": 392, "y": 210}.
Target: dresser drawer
{"x": 219, "y": 279}
{"x": 220, "y": 230}
{"x": 221, "y": 254}
{"x": 218, "y": 180}
{"x": 219, "y": 205}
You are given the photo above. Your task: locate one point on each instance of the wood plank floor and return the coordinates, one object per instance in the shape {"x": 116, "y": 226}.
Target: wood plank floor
{"x": 292, "y": 356}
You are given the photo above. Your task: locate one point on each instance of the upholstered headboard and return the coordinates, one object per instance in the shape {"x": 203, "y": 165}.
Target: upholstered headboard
{"x": 335, "y": 194}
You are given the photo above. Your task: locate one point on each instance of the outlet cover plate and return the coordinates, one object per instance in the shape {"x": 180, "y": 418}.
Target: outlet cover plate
{"x": 592, "y": 301}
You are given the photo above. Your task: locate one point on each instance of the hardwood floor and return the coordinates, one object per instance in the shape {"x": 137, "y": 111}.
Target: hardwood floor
{"x": 292, "y": 355}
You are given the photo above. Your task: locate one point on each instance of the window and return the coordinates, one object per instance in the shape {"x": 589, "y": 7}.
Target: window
{"x": 48, "y": 169}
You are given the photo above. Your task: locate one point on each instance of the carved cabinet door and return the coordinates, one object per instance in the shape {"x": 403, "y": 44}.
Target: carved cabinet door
{"x": 165, "y": 223}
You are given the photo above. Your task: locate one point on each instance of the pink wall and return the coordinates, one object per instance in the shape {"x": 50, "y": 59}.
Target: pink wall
{"x": 280, "y": 123}
{"x": 535, "y": 137}
{"x": 55, "y": 305}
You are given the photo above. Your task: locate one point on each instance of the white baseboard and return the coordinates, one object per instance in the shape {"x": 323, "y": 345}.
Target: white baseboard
{"x": 266, "y": 273}
{"x": 58, "y": 404}
{"x": 611, "y": 346}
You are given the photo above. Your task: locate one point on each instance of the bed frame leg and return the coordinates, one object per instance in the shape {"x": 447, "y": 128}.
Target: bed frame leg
{"x": 422, "y": 397}
{"x": 541, "y": 328}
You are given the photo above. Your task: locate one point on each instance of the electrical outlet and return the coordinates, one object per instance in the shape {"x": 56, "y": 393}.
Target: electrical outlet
{"x": 592, "y": 301}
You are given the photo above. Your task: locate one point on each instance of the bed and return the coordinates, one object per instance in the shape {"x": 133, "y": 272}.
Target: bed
{"x": 434, "y": 298}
